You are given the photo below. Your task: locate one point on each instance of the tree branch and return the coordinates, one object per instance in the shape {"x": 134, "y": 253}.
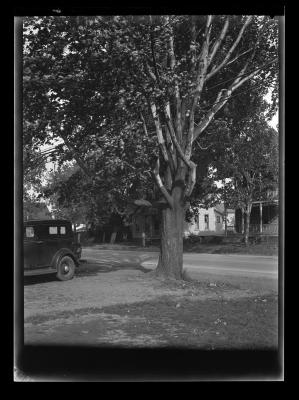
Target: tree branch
{"x": 191, "y": 180}
{"x": 239, "y": 55}
{"x": 160, "y": 185}
{"x": 221, "y": 100}
{"x": 174, "y": 139}
{"x": 218, "y": 104}
{"x": 144, "y": 124}
{"x": 231, "y": 50}
{"x": 176, "y": 89}
{"x": 159, "y": 132}
{"x": 202, "y": 71}
{"x": 154, "y": 58}
{"x": 171, "y": 152}
{"x": 219, "y": 40}
{"x": 76, "y": 156}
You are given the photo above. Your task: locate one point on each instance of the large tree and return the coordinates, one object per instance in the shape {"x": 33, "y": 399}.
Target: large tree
{"x": 248, "y": 164}
{"x": 155, "y": 82}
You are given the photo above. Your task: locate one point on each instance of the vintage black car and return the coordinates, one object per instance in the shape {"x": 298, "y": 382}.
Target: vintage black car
{"x": 50, "y": 246}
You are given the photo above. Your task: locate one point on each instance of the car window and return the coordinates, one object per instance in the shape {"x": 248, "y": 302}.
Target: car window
{"x": 62, "y": 230}
{"x": 53, "y": 230}
{"x": 29, "y": 231}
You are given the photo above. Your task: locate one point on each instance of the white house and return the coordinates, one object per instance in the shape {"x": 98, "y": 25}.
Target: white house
{"x": 208, "y": 221}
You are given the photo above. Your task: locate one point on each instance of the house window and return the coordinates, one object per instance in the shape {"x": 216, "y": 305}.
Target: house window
{"x": 29, "y": 231}
{"x": 196, "y": 222}
{"x": 62, "y": 230}
{"x": 206, "y": 221}
{"x": 218, "y": 219}
{"x": 53, "y": 230}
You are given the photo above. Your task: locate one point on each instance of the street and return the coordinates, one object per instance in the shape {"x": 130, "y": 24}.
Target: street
{"x": 196, "y": 264}
{"x": 226, "y": 263}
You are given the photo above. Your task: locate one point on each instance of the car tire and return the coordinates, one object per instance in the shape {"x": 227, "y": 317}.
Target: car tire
{"x": 65, "y": 268}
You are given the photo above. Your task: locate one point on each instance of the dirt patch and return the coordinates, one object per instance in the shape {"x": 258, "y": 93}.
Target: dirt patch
{"x": 165, "y": 322}
{"x": 116, "y": 287}
{"x": 242, "y": 323}
{"x": 132, "y": 307}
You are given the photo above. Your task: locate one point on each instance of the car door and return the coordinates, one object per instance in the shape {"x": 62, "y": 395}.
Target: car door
{"x": 56, "y": 236}
{"x": 51, "y": 242}
{"x": 32, "y": 248}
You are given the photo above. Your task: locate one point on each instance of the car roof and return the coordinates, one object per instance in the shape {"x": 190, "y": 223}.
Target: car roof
{"x": 47, "y": 221}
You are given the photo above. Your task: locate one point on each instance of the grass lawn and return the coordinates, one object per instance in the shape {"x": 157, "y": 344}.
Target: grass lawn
{"x": 245, "y": 323}
{"x": 263, "y": 249}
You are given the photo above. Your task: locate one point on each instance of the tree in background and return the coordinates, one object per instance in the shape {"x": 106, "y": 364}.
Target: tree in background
{"x": 33, "y": 170}
{"x": 249, "y": 162}
{"x": 141, "y": 94}
{"x": 73, "y": 197}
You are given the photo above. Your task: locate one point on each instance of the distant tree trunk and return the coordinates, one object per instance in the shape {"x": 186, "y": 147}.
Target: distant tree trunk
{"x": 113, "y": 236}
{"x": 171, "y": 251}
{"x": 247, "y": 223}
{"x": 143, "y": 239}
{"x": 242, "y": 221}
{"x": 104, "y": 234}
{"x": 261, "y": 217}
{"x": 225, "y": 221}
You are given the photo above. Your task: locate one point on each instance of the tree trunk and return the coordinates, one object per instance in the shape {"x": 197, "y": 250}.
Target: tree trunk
{"x": 171, "y": 251}
{"x": 113, "y": 237}
{"x": 225, "y": 221}
{"x": 143, "y": 239}
{"x": 242, "y": 221}
{"x": 247, "y": 224}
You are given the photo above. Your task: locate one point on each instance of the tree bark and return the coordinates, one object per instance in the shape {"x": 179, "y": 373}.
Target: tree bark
{"x": 242, "y": 221}
{"x": 225, "y": 221}
{"x": 113, "y": 236}
{"x": 247, "y": 224}
{"x": 171, "y": 251}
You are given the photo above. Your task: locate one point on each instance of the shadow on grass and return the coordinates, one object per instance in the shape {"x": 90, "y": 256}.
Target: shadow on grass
{"x": 87, "y": 268}
{"x": 36, "y": 279}
{"x": 91, "y": 269}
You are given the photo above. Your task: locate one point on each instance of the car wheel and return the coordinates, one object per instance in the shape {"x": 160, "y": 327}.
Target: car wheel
{"x": 65, "y": 268}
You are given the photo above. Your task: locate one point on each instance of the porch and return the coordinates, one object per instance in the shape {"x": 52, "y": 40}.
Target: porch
{"x": 263, "y": 218}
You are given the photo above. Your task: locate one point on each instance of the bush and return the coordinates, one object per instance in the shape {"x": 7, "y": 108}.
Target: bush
{"x": 192, "y": 239}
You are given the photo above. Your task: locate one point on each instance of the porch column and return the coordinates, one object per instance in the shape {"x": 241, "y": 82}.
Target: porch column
{"x": 261, "y": 217}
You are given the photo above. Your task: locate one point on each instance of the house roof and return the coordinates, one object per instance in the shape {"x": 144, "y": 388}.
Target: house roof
{"x": 46, "y": 221}
{"x": 219, "y": 208}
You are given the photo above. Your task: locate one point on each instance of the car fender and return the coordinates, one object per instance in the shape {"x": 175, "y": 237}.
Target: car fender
{"x": 63, "y": 252}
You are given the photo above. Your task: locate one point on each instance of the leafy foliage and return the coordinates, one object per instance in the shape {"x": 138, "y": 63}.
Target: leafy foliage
{"x": 136, "y": 98}
{"x": 250, "y": 159}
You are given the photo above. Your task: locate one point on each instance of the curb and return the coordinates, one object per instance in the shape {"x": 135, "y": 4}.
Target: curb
{"x": 149, "y": 264}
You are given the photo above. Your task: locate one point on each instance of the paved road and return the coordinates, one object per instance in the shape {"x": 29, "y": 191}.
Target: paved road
{"x": 245, "y": 265}
{"x": 242, "y": 265}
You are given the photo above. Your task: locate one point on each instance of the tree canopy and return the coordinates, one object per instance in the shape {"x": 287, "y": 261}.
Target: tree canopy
{"x": 136, "y": 98}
